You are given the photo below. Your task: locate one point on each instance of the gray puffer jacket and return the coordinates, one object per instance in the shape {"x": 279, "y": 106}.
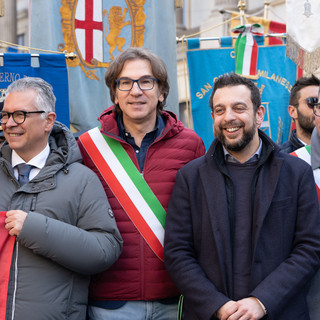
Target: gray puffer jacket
{"x": 69, "y": 233}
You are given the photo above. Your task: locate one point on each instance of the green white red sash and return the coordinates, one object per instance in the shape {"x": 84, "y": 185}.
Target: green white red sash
{"x": 304, "y": 153}
{"x": 6, "y": 250}
{"x": 128, "y": 186}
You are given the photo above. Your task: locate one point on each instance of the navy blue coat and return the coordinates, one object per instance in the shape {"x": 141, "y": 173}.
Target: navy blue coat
{"x": 285, "y": 234}
{"x": 292, "y": 144}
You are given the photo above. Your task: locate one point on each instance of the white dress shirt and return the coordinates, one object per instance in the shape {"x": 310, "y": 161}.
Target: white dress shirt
{"x": 37, "y": 162}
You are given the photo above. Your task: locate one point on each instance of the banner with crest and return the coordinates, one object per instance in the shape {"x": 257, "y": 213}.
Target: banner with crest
{"x": 96, "y": 31}
{"x": 275, "y": 76}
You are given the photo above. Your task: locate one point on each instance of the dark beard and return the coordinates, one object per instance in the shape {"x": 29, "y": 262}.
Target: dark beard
{"x": 305, "y": 123}
{"x": 240, "y": 144}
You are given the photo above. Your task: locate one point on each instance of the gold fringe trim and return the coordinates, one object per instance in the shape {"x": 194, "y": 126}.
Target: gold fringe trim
{"x": 308, "y": 61}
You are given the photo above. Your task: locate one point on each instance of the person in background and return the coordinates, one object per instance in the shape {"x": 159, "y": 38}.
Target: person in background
{"x": 242, "y": 234}
{"x": 136, "y": 154}
{"x": 311, "y": 154}
{"x": 303, "y": 95}
{"x": 56, "y": 209}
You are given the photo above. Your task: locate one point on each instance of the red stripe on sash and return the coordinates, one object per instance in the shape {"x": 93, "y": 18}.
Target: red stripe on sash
{"x": 6, "y": 250}
{"x": 123, "y": 197}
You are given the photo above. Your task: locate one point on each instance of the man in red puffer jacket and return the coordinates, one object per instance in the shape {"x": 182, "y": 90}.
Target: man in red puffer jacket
{"x": 136, "y": 153}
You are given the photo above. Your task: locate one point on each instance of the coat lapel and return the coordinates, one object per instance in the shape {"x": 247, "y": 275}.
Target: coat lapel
{"x": 216, "y": 200}
{"x": 264, "y": 193}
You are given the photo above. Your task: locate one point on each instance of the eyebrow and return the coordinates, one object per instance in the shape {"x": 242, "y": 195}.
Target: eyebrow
{"x": 144, "y": 76}
{"x": 232, "y": 105}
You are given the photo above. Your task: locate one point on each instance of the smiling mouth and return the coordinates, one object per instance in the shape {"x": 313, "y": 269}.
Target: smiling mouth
{"x": 232, "y": 129}
{"x": 137, "y": 102}
{"x": 14, "y": 134}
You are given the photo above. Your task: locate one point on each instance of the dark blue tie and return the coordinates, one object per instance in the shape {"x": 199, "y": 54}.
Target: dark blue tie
{"x": 23, "y": 173}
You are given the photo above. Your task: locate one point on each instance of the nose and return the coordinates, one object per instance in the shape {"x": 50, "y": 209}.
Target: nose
{"x": 10, "y": 122}
{"x": 229, "y": 114}
{"x": 135, "y": 90}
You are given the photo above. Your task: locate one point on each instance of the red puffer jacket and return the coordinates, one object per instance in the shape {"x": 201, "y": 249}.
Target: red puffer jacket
{"x": 139, "y": 274}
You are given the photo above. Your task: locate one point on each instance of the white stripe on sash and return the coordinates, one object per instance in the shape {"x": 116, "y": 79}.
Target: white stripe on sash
{"x": 126, "y": 182}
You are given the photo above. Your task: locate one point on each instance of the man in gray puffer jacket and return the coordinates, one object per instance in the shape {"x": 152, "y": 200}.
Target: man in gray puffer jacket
{"x": 64, "y": 227}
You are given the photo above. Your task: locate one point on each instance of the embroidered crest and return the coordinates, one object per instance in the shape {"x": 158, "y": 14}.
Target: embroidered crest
{"x": 97, "y": 30}
{"x": 307, "y": 9}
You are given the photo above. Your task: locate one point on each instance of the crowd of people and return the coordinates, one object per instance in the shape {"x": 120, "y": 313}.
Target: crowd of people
{"x": 134, "y": 219}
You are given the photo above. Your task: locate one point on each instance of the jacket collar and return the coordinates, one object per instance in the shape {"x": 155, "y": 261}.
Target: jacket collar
{"x": 63, "y": 151}
{"x": 216, "y": 152}
{"x": 110, "y": 127}
{"x": 295, "y": 141}
{"x": 61, "y": 141}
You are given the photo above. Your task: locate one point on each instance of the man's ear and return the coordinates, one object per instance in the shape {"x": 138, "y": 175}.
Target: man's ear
{"x": 292, "y": 112}
{"x": 50, "y": 119}
{"x": 161, "y": 97}
{"x": 260, "y": 115}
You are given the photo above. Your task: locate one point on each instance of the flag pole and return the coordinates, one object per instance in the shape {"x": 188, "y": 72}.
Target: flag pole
{"x": 266, "y": 9}
{"x": 1, "y": 8}
{"x": 242, "y": 6}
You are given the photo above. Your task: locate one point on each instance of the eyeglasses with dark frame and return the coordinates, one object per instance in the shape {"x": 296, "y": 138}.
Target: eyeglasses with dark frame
{"x": 18, "y": 116}
{"x": 126, "y": 84}
{"x": 311, "y": 101}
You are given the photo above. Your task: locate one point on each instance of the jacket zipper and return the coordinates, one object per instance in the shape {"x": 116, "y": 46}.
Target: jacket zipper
{"x": 15, "y": 281}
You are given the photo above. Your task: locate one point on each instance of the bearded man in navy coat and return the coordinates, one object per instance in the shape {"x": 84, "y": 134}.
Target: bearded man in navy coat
{"x": 242, "y": 237}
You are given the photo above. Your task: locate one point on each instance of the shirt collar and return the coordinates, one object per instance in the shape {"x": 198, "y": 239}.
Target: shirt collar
{"x": 229, "y": 158}
{"x": 38, "y": 161}
{"x": 305, "y": 144}
{"x": 160, "y": 125}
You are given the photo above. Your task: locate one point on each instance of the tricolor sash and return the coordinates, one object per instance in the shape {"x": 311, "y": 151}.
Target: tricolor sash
{"x": 6, "y": 250}
{"x": 304, "y": 153}
{"x": 128, "y": 186}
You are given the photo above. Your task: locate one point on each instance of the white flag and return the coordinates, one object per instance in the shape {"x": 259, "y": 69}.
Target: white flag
{"x": 303, "y": 40}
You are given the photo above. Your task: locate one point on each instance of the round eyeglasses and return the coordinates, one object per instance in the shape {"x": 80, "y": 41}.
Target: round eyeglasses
{"x": 18, "y": 117}
{"x": 126, "y": 84}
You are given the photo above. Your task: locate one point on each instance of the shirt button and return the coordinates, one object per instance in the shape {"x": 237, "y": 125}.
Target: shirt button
{"x": 137, "y": 151}
{"x": 126, "y": 134}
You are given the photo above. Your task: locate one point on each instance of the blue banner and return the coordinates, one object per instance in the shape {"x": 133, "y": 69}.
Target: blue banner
{"x": 50, "y": 67}
{"x": 96, "y": 31}
{"x": 276, "y": 74}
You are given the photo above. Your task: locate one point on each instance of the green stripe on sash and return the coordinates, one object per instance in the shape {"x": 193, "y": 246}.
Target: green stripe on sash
{"x": 137, "y": 179}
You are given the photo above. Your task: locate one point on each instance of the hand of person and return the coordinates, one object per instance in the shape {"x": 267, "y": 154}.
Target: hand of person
{"x": 14, "y": 221}
{"x": 244, "y": 309}
{"x": 250, "y": 308}
{"x": 227, "y": 310}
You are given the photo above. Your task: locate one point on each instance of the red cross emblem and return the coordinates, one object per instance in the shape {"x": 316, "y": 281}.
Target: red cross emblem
{"x": 92, "y": 28}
